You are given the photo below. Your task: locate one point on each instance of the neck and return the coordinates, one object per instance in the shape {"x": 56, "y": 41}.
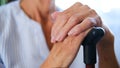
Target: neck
{"x": 38, "y": 10}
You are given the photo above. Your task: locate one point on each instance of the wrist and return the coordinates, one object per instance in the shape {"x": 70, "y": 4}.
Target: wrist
{"x": 53, "y": 62}
{"x": 50, "y": 63}
{"x": 107, "y": 58}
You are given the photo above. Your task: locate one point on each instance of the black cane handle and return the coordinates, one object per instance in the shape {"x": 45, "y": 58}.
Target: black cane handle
{"x": 89, "y": 44}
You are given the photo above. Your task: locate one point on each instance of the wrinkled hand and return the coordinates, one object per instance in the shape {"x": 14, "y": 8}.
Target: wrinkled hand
{"x": 69, "y": 29}
{"x": 76, "y": 19}
{"x": 63, "y": 53}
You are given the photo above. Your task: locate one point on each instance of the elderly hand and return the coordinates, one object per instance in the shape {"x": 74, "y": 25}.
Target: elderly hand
{"x": 63, "y": 53}
{"x": 69, "y": 29}
{"x": 77, "y": 19}
{"x": 73, "y": 21}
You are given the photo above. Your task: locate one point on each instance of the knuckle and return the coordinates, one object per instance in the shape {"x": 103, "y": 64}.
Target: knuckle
{"x": 92, "y": 11}
{"x": 91, "y": 21}
{"x": 74, "y": 19}
{"x": 99, "y": 20}
{"x": 86, "y": 6}
{"x": 63, "y": 16}
{"x": 78, "y": 4}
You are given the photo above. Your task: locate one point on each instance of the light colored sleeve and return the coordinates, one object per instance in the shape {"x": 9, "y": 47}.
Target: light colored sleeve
{"x": 2, "y": 18}
{"x": 2, "y": 25}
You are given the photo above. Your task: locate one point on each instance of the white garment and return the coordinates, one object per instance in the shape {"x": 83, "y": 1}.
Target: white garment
{"x": 22, "y": 42}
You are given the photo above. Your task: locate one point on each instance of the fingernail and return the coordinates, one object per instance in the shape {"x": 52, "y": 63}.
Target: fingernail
{"x": 52, "y": 39}
{"x": 70, "y": 33}
{"x": 58, "y": 38}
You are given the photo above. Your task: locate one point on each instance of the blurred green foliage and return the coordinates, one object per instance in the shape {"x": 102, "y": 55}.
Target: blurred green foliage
{"x": 3, "y": 2}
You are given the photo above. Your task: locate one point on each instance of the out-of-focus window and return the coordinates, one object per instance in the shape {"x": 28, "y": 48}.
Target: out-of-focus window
{"x": 109, "y": 10}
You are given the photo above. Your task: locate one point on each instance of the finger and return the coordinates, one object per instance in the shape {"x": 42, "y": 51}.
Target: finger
{"x": 60, "y": 34}
{"x": 76, "y": 40}
{"x": 82, "y": 35}
{"x": 62, "y": 19}
{"x": 78, "y": 18}
{"x": 59, "y": 23}
{"x": 66, "y": 14}
{"x": 85, "y": 25}
{"x": 74, "y": 20}
{"x": 66, "y": 28}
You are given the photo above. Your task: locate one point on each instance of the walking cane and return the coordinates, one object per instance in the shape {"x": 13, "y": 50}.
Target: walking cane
{"x": 89, "y": 46}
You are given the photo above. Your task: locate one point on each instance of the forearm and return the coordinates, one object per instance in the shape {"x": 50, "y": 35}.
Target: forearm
{"x": 107, "y": 58}
{"x": 51, "y": 63}
{"x": 54, "y": 60}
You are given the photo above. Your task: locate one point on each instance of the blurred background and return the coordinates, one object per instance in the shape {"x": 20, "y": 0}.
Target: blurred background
{"x": 109, "y": 10}
{"x": 2, "y": 2}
